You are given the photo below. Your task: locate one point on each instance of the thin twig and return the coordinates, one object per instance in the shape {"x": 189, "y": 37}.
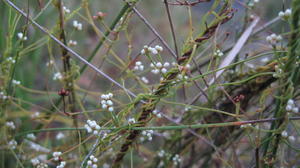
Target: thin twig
{"x": 172, "y": 27}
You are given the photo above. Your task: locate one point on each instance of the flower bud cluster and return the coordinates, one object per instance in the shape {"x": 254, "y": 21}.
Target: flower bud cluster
{"x": 92, "y": 127}
{"x": 106, "y": 102}
{"x": 153, "y": 50}
{"x": 273, "y": 39}
{"x": 159, "y": 67}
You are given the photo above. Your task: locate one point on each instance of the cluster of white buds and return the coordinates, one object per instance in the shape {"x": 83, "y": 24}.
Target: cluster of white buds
{"x": 35, "y": 115}
{"x": 156, "y": 113}
{"x": 251, "y": 3}
{"x": 273, "y": 39}
{"x": 36, "y": 162}
{"x": 92, "y": 126}
{"x": 106, "y": 102}
{"x": 184, "y": 68}
{"x": 291, "y": 138}
{"x": 50, "y": 63}
{"x": 176, "y": 159}
{"x": 218, "y": 53}
{"x": 291, "y": 106}
{"x": 60, "y": 136}
{"x": 56, "y": 155}
{"x": 246, "y": 126}
{"x": 10, "y": 125}
{"x": 31, "y": 136}
{"x": 131, "y": 121}
{"x": 153, "y": 50}
{"x": 77, "y": 25}
{"x": 11, "y": 60}
{"x": 42, "y": 165}
{"x": 159, "y": 67}
{"x": 21, "y": 36}
{"x": 278, "y": 72}
{"x": 92, "y": 162}
{"x": 16, "y": 82}
{"x": 145, "y": 80}
{"x": 3, "y": 96}
{"x": 285, "y": 15}
{"x": 57, "y": 76}
{"x": 12, "y": 144}
{"x": 138, "y": 66}
{"x": 182, "y": 77}
{"x": 148, "y": 134}
{"x": 187, "y": 108}
{"x": 161, "y": 153}
{"x": 72, "y": 43}
{"x": 66, "y": 10}
{"x": 61, "y": 164}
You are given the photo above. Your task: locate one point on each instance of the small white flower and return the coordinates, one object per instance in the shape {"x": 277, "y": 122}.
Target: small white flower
{"x": 159, "y": 67}
{"x": 21, "y": 36}
{"x": 35, "y": 161}
{"x": 10, "y": 125}
{"x": 111, "y": 109}
{"x": 284, "y": 134}
{"x": 77, "y": 25}
{"x": 12, "y": 144}
{"x": 285, "y": 15}
{"x": 246, "y": 126}
{"x": 92, "y": 127}
{"x": 273, "y": 39}
{"x": 295, "y": 110}
{"x": 161, "y": 153}
{"x": 106, "y": 102}
{"x": 66, "y": 10}
{"x": 31, "y": 136}
{"x": 164, "y": 70}
{"x": 16, "y": 82}
{"x": 72, "y": 43}
{"x": 291, "y": 102}
{"x": 131, "y": 121}
{"x": 146, "y": 49}
{"x": 138, "y": 66}
{"x": 256, "y": 1}
{"x": 50, "y": 63}
{"x": 57, "y": 76}
{"x": 218, "y": 53}
{"x": 60, "y": 136}
{"x": 156, "y": 113}
{"x": 176, "y": 159}
{"x": 42, "y": 165}
{"x": 159, "y": 48}
{"x": 145, "y": 80}
{"x": 147, "y": 134}
{"x": 92, "y": 162}
{"x": 61, "y": 165}
{"x": 292, "y": 138}
{"x": 35, "y": 115}
{"x": 11, "y": 60}
{"x": 56, "y": 155}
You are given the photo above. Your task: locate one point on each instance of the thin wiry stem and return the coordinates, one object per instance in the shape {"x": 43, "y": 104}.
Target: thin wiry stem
{"x": 172, "y": 27}
{"x": 172, "y": 127}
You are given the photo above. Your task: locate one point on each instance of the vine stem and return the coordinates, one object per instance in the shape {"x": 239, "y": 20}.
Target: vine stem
{"x": 173, "y": 127}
